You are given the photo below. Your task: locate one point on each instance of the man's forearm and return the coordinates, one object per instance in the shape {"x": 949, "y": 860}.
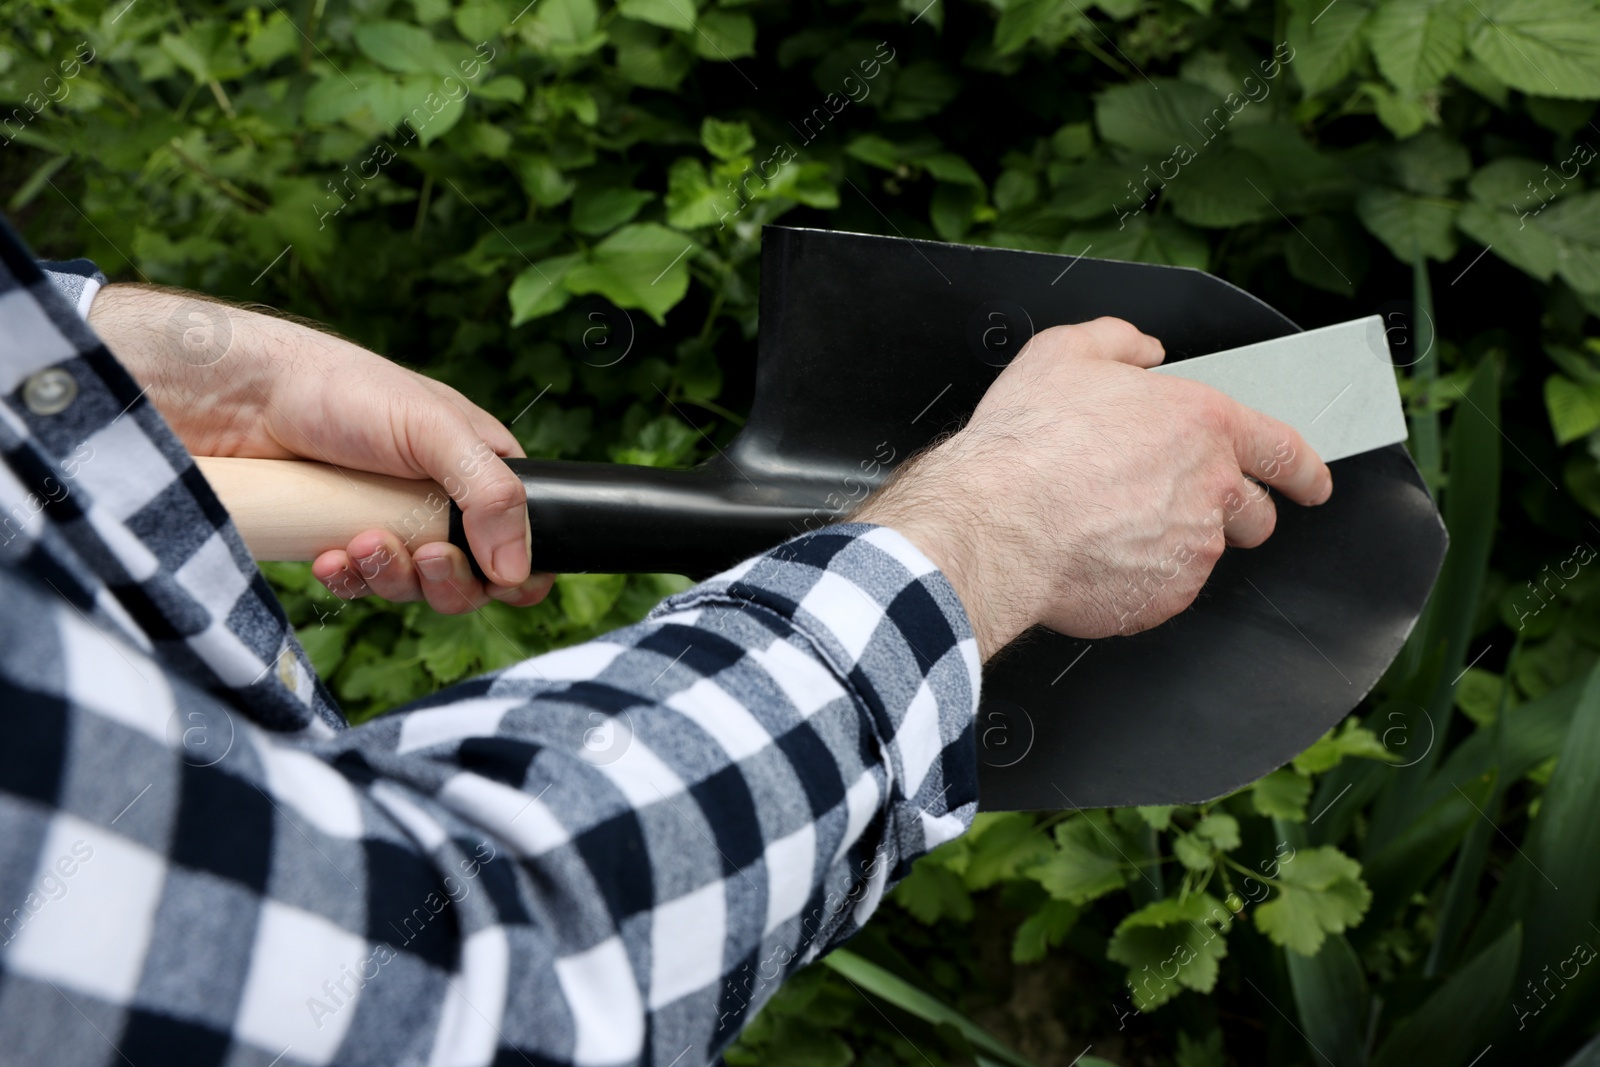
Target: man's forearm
{"x": 207, "y": 366}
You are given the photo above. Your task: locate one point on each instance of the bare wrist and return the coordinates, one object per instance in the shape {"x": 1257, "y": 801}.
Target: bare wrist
{"x": 933, "y": 507}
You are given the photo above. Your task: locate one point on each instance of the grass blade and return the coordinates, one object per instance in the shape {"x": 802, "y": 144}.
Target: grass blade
{"x": 1454, "y": 1024}
{"x": 873, "y": 979}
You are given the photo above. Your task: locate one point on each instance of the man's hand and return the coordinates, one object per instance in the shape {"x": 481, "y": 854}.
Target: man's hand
{"x": 233, "y": 382}
{"x": 1091, "y": 496}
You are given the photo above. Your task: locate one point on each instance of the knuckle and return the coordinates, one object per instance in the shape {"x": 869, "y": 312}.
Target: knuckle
{"x": 501, "y": 493}
{"x": 1209, "y": 551}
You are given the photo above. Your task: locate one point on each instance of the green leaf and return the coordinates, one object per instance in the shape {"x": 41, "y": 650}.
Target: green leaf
{"x": 951, "y": 210}
{"x": 537, "y": 290}
{"x": 1330, "y": 996}
{"x": 1404, "y": 866}
{"x": 1160, "y": 114}
{"x": 543, "y": 181}
{"x": 1430, "y": 164}
{"x": 726, "y": 140}
{"x": 399, "y": 47}
{"x": 921, "y": 91}
{"x": 1222, "y": 188}
{"x": 1157, "y": 817}
{"x": 1479, "y": 692}
{"x": 1193, "y": 853}
{"x": 672, "y": 14}
{"x": 691, "y": 201}
{"x": 598, "y": 209}
{"x": 1219, "y": 828}
{"x": 206, "y": 50}
{"x": 1167, "y": 947}
{"x": 664, "y": 441}
{"x": 933, "y": 892}
{"x": 504, "y": 87}
{"x": 1574, "y": 224}
{"x": 641, "y": 266}
{"x": 1207, "y": 1052}
{"x": 646, "y": 60}
{"x": 949, "y": 167}
{"x": 566, "y": 27}
{"x": 1417, "y": 42}
{"x": 430, "y": 112}
{"x": 585, "y": 598}
{"x": 450, "y": 644}
{"x": 1408, "y": 224}
{"x": 1457, "y": 1021}
{"x": 1564, "y": 117}
{"x": 1046, "y": 20}
{"x": 1402, "y": 114}
{"x": 1349, "y": 739}
{"x": 1282, "y": 794}
{"x": 903, "y": 995}
{"x": 325, "y": 643}
{"x": 1329, "y": 253}
{"x": 725, "y": 36}
{"x": 1545, "y": 47}
{"x": 1091, "y": 189}
{"x": 999, "y": 845}
{"x": 479, "y": 20}
{"x": 1574, "y": 407}
{"x": 1320, "y": 892}
{"x": 1087, "y": 862}
{"x": 1043, "y": 930}
{"x": 1327, "y": 41}
{"x": 1559, "y": 849}
{"x": 1142, "y": 239}
{"x": 1529, "y": 248}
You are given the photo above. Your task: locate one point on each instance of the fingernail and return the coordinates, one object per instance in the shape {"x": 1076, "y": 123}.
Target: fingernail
{"x": 434, "y": 568}
{"x": 508, "y": 558}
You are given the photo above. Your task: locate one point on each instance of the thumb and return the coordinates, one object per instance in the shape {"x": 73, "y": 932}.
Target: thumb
{"x": 494, "y": 506}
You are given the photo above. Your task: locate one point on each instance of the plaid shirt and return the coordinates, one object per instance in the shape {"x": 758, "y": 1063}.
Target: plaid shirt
{"x": 608, "y": 854}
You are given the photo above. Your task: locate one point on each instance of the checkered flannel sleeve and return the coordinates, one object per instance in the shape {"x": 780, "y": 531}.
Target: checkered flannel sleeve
{"x": 609, "y": 854}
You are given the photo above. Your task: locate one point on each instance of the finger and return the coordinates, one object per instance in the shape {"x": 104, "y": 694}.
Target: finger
{"x": 334, "y": 570}
{"x": 385, "y": 565}
{"x": 1275, "y": 453}
{"x": 493, "y": 432}
{"x": 1108, "y": 338}
{"x": 494, "y": 507}
{"x": 1249, "y": 515}
{"x": 447, "y": 581}
{"x": 526, "y": 595}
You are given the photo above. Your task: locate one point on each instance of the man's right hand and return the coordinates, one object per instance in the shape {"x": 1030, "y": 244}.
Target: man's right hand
{"x": 1089, "y": 495}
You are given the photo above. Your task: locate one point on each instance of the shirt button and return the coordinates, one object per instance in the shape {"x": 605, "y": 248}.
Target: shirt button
{"x": 49, "y": 391}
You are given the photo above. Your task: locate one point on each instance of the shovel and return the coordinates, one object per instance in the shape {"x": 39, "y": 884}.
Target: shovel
{"x": 870, "y": 348}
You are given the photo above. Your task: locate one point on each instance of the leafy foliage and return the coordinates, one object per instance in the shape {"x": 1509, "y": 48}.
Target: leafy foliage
{"x": 557, "y": 208}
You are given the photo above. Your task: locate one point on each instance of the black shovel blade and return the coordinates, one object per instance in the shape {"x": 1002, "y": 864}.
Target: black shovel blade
{"x": 873, "y": 346}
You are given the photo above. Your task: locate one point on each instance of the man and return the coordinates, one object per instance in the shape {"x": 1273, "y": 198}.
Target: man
{"x": 608, "y": 854}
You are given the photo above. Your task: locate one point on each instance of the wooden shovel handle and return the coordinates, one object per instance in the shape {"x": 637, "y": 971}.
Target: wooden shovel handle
{"x": 606, "y": 517}
{"x": 295, "y": 510}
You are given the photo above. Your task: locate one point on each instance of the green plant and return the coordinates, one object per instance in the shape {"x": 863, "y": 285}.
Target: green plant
{"x": 511, "y": 196}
